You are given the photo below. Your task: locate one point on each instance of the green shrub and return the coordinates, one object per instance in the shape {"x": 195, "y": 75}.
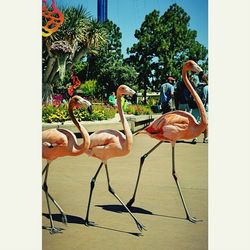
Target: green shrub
{"x": 153, "y": 101}
{"x": 107, "y": 110}
{"x": 139, "y": 110}
{"x": 51, "y": 113}
{"x": 88, "y": 88}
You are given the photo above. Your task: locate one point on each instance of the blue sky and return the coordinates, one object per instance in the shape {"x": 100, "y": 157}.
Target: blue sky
{"x": 129, "y": 15}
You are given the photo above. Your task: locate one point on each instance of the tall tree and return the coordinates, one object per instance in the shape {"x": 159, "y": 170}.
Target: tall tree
{"x": 78, "y": 36}
{"x": 107, "y": 67}
{"x": 164, "y": 44}
{"x": 111, "y": 52}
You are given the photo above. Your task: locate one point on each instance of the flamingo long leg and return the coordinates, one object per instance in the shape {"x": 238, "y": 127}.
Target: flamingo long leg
{"x": 45, "y": 168}
{"x": 64, "y": 217}
{"x": 53, "y": 229}
{"x": 45, "y": 189}
{"x": 92, "y": 185}
{"x": 190, "y": 218}
{"x": 129, "y": 204}
{"x": 111, "y": 190}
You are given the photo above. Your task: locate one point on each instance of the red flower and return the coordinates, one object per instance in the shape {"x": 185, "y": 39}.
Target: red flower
{"x": 71, "y": 90}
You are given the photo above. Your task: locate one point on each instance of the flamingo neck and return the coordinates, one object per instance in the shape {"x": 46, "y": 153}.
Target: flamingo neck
{"x": 79, "y": 148}
{"x": 203, "y": 122}
{"x": 126, "y": 128}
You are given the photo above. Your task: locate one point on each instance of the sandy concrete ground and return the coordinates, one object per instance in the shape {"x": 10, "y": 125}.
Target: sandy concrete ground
{"x": 158, "y": 206}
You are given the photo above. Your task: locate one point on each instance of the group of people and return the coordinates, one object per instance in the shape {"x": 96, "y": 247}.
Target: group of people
{"x": 177, "y": 96}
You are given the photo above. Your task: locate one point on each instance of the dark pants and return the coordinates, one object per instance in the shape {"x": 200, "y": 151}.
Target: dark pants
{"x": 165, "y": 107}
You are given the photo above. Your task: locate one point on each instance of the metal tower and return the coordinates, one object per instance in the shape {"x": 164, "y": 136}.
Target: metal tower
{"x": 102, "y": 10}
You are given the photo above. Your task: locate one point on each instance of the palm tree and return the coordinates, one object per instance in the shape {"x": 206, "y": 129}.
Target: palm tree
{"x": 78, "y": 36}
{"x": 95, "y": 38}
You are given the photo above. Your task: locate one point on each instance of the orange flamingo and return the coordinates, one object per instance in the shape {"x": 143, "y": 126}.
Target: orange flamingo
{"x": 173, "y": 126}
{"x": 62, "y": 142}
{"x": 106, "y": 144}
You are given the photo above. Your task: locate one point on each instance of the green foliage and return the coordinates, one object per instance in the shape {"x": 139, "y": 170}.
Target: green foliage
{"x": 107, "y": 110}
{"x": 152, "y": 101}
{"x": 100, "y": 112}
{"x": 108, "y": 66}
{"x": 88, "y": 88}
{"x": 79, "y": 66}
{"x": 114, "y": 74}
{"x": 52, "y": 113}
{"x": 82, "y": 34}
{"x": 164, "y": 44}
{"x": 139, "y": 110}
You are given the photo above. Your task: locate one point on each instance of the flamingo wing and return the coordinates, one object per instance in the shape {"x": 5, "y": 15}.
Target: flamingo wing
{"x": 54, "y": 137}
{"x": 171, "y": 126}
{"x": 169, "y": 119}
{"x": 57, "y": 143}
{"x": 105, "y": 144}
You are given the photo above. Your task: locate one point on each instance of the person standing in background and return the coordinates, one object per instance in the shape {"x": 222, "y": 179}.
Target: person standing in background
{"x": 181, "y": 97}
{"x": 199, "y": 88}
{"x": 166, "y": 95}
{"x": 112, "y": 99}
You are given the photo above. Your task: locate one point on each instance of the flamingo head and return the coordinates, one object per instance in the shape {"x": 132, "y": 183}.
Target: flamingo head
{"x": 78, "y": 102}
{"x": 192, "y": 66}
{"x": 124, "y": 90}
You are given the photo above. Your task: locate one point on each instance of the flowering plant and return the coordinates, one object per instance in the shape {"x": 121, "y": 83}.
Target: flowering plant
{"x": 138, "y": 110}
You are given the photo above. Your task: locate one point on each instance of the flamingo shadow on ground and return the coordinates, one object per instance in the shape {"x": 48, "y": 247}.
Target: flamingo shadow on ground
{"x": 185, "y": 142}
{"x": 182, "y": 141}
{"x": 122, "y": 209}
{"x": 72, "y": 219}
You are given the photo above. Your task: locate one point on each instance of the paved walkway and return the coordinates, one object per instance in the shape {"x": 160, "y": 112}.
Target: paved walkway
{"x": 157, "y": 206}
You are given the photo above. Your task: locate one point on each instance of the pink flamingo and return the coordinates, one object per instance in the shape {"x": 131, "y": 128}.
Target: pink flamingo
{"x": 62, "y": 142}
{"x": 173, "y": 126}
{"x": 106, "y": 144}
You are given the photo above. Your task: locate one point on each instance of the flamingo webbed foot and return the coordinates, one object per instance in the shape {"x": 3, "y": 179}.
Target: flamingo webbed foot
{"x": 140, "y": 226}
{"x": 193, "y": 219}
{"x": 89, "y": 223}
{"x": 55, "y": 230}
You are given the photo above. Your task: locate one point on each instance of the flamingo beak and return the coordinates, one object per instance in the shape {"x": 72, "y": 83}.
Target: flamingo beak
{"x": 131, "y": 92}
{"x": 198, "y": 69}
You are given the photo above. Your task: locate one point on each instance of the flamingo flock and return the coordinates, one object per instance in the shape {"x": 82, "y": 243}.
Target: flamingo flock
{"x": 109, "y": 143}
